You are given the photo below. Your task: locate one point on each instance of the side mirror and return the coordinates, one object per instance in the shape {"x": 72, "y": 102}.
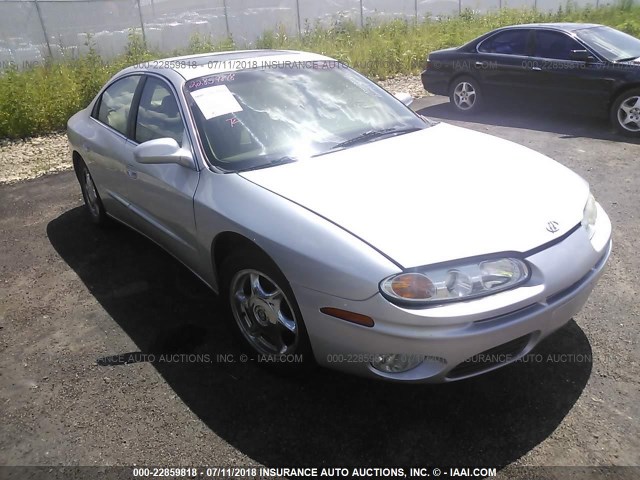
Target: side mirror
{"x": 163, "y": 150}
{"x": 581, "y": 56}
{"x": 404, "y": 97}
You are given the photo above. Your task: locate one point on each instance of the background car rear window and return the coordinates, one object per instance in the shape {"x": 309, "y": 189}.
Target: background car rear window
{"x": 555, "y": 45}
{"x": 115, "y": 103}
{"x": 158, "y": 113}
{"x": 510, "y": 42}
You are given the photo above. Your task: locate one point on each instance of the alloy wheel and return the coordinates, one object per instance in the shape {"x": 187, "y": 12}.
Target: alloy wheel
{"x": 263, "y": 313}
{"x": 629, "y": 114}
{"x": 464, "y": 96}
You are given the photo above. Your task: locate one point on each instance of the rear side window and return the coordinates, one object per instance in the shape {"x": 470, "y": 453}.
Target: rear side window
{"x": 510, "y": 42}
{"x": 555, "y": 45}
{"x": 158, "y": 113}
{"x": 115, "y": 103}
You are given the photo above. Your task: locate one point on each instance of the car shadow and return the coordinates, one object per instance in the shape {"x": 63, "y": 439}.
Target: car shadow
{"x": 324, "y": 418}
{"x": 529, "y": 117}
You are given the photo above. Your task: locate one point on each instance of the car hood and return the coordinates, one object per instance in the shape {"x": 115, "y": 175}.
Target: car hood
{"x": 439, "y": 194}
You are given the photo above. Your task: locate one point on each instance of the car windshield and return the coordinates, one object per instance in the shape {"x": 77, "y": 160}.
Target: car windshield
{"x": 262, "y": 117}
{"x": 612, "y": 44}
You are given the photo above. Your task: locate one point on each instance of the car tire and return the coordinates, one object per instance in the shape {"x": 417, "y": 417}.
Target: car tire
{"x": 465, "y": 95}
{"x": 266, "y": 317}
{"x": 625, "y": 113}
{"x": 92, "y": 200}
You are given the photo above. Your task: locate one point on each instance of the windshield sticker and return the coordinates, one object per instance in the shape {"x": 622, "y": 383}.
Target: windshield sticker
{"x": 211, "y": 80}
{"x": 216, "y": 101}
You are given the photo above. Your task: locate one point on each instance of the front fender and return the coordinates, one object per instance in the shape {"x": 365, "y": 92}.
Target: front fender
{"x": 310, "y": 251}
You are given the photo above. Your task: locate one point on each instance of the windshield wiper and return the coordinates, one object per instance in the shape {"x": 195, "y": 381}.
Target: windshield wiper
{"x": 627, "y": 59}
{"x": 272, "y": 163}
{"x": 371, "y": 134}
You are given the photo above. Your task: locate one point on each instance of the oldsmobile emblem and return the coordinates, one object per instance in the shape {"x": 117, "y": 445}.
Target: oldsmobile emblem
{"x": 552, "y": 227}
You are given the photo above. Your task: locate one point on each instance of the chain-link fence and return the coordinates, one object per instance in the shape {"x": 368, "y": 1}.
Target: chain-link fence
{"x": 32, "y": 30}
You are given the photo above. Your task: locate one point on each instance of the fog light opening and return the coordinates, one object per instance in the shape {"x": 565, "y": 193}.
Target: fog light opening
{"x": 396, "y": 362}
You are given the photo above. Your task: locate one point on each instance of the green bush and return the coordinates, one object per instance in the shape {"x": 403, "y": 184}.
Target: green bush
{"x": 41, "y": 99}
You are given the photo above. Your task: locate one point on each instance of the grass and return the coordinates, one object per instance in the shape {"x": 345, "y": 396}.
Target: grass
{"x": 41, "y": 99}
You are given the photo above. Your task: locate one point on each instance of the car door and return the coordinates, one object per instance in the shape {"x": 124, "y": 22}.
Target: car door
{"x": 561, "y": 81}
{"x": 105, "y": 151}
{"x": 502, "y": 63}
{"x": 161, "y": 195}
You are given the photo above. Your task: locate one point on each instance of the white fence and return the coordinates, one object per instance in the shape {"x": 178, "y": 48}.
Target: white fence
{"x": 32, "y": 30}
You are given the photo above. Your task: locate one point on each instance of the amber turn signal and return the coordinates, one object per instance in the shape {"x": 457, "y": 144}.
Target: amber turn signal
{"x": 348, "y": 316}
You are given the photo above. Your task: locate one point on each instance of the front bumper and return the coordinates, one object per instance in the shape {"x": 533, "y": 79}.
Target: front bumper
{"x": 503, "y": 327}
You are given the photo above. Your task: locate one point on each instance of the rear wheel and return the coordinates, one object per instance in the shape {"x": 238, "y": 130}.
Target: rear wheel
{"x": 264, "y": 310}
{"x": 92, "y": 200}
{"x": 625, "y": 113}
{"x": 465, "y": 95}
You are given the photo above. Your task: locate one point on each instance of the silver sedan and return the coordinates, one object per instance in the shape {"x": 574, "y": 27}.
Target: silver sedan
{"x": 340, "y": 227}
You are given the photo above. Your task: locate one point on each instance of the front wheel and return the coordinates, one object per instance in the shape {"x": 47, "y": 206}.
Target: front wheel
{"x": 265, "y": 311}
{"x": 465, "y": 95}
{"x": 625, "y": 113}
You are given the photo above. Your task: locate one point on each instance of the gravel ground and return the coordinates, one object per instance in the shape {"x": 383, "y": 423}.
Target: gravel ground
{"x": 33, "y": 157}
{"x": 83, "y": 308}
{"x": 405, "y": 83}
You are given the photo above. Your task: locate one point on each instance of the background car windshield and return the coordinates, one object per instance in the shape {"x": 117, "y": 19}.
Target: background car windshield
{"x": 255, "y": 118}
{"x": 610, "y": 43}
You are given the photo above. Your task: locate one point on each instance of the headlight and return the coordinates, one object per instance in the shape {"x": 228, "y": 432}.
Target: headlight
{"x": 458, "y": 282}
{"x": 590, "y": 215}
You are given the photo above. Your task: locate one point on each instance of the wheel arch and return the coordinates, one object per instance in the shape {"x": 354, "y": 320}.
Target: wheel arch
{"x": 77, "y": 159}
{"x": 620, "y": 90}
{"x": 225, "y": 243}
{"x": 462, "y": 74}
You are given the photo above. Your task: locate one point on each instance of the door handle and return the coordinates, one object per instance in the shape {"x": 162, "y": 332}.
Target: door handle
{"x": 536, "y": 69}
{"x": 479, "y": 64}
{"x": 132, "y": 173}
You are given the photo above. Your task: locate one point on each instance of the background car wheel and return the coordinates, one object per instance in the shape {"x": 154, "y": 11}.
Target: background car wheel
{"x": 264, "y": 310}
{"x": 625, "y": 113}
{"x": 465, "y": 95}
{"x": 92, "y": 200}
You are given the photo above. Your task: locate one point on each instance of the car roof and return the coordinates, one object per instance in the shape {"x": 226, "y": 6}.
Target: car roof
{"x": 193, "y": 66}
{"x": 566, "y": 27}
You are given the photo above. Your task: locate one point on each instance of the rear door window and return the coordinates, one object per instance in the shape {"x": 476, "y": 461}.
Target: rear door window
{"x": 509, "y": 42}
